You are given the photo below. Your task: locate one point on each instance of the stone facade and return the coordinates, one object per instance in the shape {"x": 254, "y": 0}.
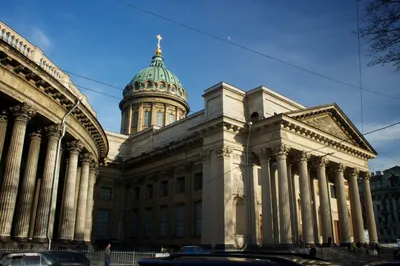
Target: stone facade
{"x": 214, "y": 178}
{"x": 252, "y": 168}
{"x": 39, "y": 195}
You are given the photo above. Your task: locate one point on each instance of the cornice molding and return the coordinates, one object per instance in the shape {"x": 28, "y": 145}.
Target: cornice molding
{"x": 48, "y": 85}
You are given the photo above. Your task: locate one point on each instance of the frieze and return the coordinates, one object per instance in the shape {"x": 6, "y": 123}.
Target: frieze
{"x": 328, "y": 125}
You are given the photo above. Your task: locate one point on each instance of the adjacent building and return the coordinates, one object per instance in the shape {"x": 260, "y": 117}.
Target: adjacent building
{"x": 385, "y": 189}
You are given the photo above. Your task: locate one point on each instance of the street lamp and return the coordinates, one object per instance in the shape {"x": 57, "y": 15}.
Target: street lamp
{"x": 64, "y": 126}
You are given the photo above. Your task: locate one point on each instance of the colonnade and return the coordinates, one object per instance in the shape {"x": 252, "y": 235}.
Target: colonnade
{"x": 282, "y": 229}
{"x": 27, "y": 204}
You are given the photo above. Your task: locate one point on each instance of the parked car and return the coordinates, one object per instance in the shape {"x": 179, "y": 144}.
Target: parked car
{"x": 44, "y": 258}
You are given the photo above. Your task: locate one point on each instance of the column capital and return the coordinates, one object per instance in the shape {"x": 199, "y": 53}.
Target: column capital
{"x": 3, "y": 116}
{"x": 354, "y": 172}
{"x": 23, "y": 112}
{"x": 281, "y": 150}
{"x": 340, "y": 168}
{"x": 53, "y": 131}
{"x": 75, "y": 146}
{"x": 35, "y": 135}
{"x": 264, "y": 154}
{"x": 94, "y": 166}
{"x": 223, "y": 151}
{"x": 303, "y": 156}
{"x": 321, "y": 161}
{"x": 86, "y": 158}
{"x": 367, "y": 176}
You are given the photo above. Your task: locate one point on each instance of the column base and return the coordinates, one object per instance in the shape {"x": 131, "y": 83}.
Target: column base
{"x": 5, "y": 239}
{"x": 40, "y": 240}
{"x": 20, "y": 239}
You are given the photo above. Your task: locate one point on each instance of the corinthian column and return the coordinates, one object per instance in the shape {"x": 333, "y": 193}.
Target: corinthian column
{"x": 90, "y": 201}
{"x": 266, "y": 196}
{"x": 344, "y": 222}
{"x": 281, "y": 152}
{"x": 82, "y": 198}
{"x": 9, "y": 187}
{"x": 53, "y": 135}
{"x": 26, "y": 195}
{"x": 67, "y": 215}
{"x": 356, "y": 213}
{"x": 369, "y": 209}
{"x": 305, "y": 195}
{"x": 3, "y": 130}
{"x": 326, "y": 219}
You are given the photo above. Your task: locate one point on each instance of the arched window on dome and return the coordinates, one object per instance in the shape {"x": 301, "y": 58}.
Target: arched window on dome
{"x": 161, "y": 86}
{"x": 173, "y": 88}
{"x": 137, "y": 85}
{"x": 149, "y": 84}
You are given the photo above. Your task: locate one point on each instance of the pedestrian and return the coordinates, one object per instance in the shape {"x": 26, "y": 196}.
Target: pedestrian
{"x": 107, "y": 255}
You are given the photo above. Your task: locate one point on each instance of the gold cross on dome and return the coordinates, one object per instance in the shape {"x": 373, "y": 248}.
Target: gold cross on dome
{"x": 159, "y": 38}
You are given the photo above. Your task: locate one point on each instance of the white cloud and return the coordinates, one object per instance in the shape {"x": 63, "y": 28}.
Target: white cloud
{"x": 40, "y": 39}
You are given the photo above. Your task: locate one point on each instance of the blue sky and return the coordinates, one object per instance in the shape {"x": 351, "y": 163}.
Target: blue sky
{"x": 108, "y": 41}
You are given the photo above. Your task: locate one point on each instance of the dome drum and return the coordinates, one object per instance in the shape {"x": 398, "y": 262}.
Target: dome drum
{"x": 154, "y": 97}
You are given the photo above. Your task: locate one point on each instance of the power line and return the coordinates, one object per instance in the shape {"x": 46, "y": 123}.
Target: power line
{"x": 253, "y": 51}
{"x": 359, "y": 69}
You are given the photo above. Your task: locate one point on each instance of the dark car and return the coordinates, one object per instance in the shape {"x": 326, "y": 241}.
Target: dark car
{"x": 44, "y": 258}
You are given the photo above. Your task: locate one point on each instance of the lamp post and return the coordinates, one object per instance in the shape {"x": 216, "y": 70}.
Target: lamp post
{"x": 64, "y": 126}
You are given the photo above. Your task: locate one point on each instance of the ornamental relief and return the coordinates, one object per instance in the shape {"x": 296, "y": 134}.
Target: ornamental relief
{"x": 328, "y": 125}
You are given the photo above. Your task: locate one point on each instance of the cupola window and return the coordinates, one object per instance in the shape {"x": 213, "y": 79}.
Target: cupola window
{"x": 135, "y": 119}
{"x": 160, "y": 119}
{"x": 149, "y": 85}
{"x": 147, "y": 118}
{"x": 171, "y": 118}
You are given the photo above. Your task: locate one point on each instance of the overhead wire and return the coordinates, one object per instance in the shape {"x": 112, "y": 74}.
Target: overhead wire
{"x": 254, "y": 51}
{"x": 360, "y": 69}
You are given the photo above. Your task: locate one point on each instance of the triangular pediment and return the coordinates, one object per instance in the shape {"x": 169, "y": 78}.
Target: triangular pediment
{"x": 328, "y": 124}
{"x": 331, "y": 120}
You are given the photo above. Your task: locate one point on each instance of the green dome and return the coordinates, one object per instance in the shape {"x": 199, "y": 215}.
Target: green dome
{"x": 156, "y": 78}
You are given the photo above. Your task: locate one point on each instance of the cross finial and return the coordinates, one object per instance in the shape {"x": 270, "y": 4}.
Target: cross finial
{"x": 159, "y": 38}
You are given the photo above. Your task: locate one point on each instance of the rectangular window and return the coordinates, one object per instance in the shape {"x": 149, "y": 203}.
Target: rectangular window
{"x": 163, "y": 220}
{"x": 134, "y": 223}
{"x": 180, "y": 185}
{"x": 333, "y": 191}
{"x": 137, "y": 193}
{"x": 102, "y": 223}
{"x": 164, "y": 188}
{"x": 149, "y": 221}
{"x": 147, "y": 118}
{"x": 160, "y": 119}
{"x": 105, "y": 193}
{"x": 171, "y": 118}
{"x": 197, "y": 218}
{"x": 135, "y": 116}
{"x": 180, "y": 220}
{"x": 198, "y": 181}
{"x": 149, "y": 191}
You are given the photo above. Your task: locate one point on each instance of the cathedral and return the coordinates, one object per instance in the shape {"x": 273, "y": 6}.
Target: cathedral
{"x": 254, "y": 168}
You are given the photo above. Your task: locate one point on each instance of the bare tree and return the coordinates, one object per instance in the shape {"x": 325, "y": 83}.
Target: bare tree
{"x": 381, "y": 28}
